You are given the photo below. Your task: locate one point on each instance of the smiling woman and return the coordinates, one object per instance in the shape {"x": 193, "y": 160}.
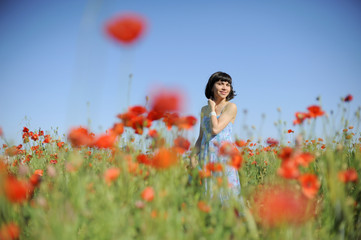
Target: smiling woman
{"x": 217, "y": 120}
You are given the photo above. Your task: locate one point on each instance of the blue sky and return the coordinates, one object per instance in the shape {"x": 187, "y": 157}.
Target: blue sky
{"x": 58, "y": 68}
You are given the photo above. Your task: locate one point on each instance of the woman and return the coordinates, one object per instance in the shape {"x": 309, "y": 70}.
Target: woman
{"x": 217, "y": 119}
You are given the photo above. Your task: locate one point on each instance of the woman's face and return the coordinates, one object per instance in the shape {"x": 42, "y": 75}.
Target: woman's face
{"x": 221, "y": 89}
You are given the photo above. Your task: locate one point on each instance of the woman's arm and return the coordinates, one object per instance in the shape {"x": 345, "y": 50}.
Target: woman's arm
{"x": 218, "y": 124}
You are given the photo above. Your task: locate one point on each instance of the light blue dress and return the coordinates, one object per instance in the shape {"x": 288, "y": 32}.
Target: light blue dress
{"x": 209, "y": 153}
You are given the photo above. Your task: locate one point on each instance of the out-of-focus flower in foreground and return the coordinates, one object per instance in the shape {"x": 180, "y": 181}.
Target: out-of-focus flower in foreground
{"x": 111, "y": 174}
{"x": 204, "y": 207}
{"x": 164, "y": 158}
{"x": 310, "y": 184}
{"x": 126, "y": 28}
{"x": 349, "y": 175}
{"x": 148, "y": 194}
{"x": 9, "y": 231}
{"x": 280, "y": 205}
{"x": 348, "y": 98}
{"x": 16, "y": 190}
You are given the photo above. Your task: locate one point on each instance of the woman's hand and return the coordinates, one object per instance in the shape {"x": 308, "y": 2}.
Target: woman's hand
{"x": 212, "y": 105}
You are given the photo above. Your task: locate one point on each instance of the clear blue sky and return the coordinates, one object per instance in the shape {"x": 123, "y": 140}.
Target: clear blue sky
{"x": 55, "y": 57}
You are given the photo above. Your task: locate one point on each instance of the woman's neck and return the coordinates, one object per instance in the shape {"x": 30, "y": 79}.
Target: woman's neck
{"x": 220, "y": 101}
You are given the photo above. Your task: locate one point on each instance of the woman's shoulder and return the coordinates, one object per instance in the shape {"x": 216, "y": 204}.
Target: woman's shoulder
{"x": 204, "y": 109}
{"x": 231, "y": 106}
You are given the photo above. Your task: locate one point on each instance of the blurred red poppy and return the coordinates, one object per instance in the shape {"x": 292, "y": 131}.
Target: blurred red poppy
{"x": 278, "y": 205}
{"x": 166, "y": 100}
{"x": 310, "y": 184}
{"x": 80, "y": 137}
{"x": 164, "y": 158}
{"x": 348, "y": 98}
{"x": 111, "y": 174}
{"x": 315, "y": 111}
{"x": 126, "y": 28}
{"x": 148, "y": 194}
{"x": 349, "y": 175}
{"x": 9, "y": 231}
{"x": 204, "y": 207}
{"x": 181, "y": 145}
{"x": 16, "y": 190}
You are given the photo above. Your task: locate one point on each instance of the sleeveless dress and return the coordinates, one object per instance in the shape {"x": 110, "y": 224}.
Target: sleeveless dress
{"x": 209, "y": 153}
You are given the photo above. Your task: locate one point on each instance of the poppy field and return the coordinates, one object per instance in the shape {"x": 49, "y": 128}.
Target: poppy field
{"x": 136, "y": 180}
{"x": 107, "y": 186}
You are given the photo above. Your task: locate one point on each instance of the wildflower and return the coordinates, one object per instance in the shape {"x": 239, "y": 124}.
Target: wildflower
{"x": 236, "y": 161}
{"x": 310, "y": 184}
{"x": 272, "y": 142}
{"x": 278, "y": 205}
{"x": 80, "y": 137}
{"x": 118, "y": 128}
{"x": 241, "y": 143}
{"x": 9, "y": 231}
{"x": 315, "y": 111}
{"x": 348, "y": 98}
{"x": 349, "y": 175}
{"x": 170, "y": 119}
{"x": 142, "y": 158}
{"x": 186, "y": 122}
{"x": 126, "y": 28}
{"x": 228, "y": 149}
{"x": 300, "y": 117}
{"x": 137, "y": 110}
{"x": 290, "y": 131}
{"x": 39, "y": 172}
{"x": 111, "y": 174}
{"x": 16, "y": 190}
{"x": 25, "y": 130}
{"x": 214, "y": 167}
{"x": 304, "y": 159}
{"x": 1, "y": 132}
{"x": 204, "y": 207}
{"x": 60, "y": 144}
{"x": 105, "y": 141}
{"x": 148, "y": 194}
{"x": 166, "y": 101}
{"x": 164, "y": 158}
{"x": 47, "y": 139}
{"x": 181, "y": 145}
{"x": 153, "y": 133}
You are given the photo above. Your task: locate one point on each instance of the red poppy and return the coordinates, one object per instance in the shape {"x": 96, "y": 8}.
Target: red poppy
{"x": 204, "y": 173}
{"x": 272, "y": 142}
{"x": 315, "y": 111}
{"x": 186, "y": 122}
{"x": 39, "y": 172}
{"x": 277, "y": 205}
{"x": 300, "y": 117}
{"x": 181, "y": 145}
{"x": 304, "y": 159}
{"x": 60, "y": 144}
{"x": 170, "y": 119}
{"x": 228, "y": 149}
{"x": 214, "y": 167}
{"x": 80, "y": 137}
{"x": 1, "y": 132}
{"x": 111, "y": 174}
{"x": 164, "y": 158}
{"x": 137, "y": 110}
{"x": 126, "y": 28}
{"x": 153, "y": 133}
{"x": 290, "y": 131}
{"x": 148, "y": 194}
{"x": 236, "y": 161}
{"x": 16, "y": 190}
{"x": 105, "y": 141}
{"x": 204, "y": 207}
{"x": 47, "y": 139}
{"x": 9, "y": 231}
{"x": 166, "y": 100}
{"x": 118, "y": 128}
{"x": 349, "y": 175}
{"x": 144, "y": 159}
{"x": 348, "y": 98}
{"x": 25, "y": 130}
{"x": 241, "y": 143}
{"x": 310, "y": 184}
{"x": 289, "y": 169}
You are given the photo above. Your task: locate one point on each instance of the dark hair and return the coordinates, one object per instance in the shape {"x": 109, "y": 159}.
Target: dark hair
{"x": 215, "y": 77}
